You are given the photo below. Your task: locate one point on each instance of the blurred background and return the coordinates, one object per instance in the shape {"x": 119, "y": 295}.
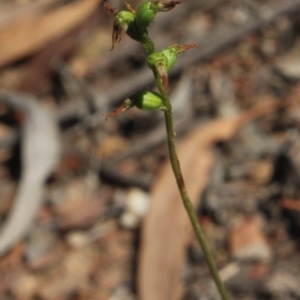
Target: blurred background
{"x": 89, "y": 208}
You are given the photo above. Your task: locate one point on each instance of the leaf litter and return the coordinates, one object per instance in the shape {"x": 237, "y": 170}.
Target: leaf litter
{"x": 239, "y": 158}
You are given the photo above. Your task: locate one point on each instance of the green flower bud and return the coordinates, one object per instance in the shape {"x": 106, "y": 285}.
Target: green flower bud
{"x": 142, "y": 99}
{"x": 145, "y": 15}
{"x": 147, "y": 100}
{"x": 146, "y": 12}
{"x": 123, "y": 20}
{"x": 162, "y": 62}
{"x": 155, "y": 59}
{"x": 173, "y": 51}
{"x": 157, "y": 62}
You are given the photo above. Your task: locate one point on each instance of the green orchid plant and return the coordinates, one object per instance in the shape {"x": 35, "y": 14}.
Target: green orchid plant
{"x": 135, "y": 24}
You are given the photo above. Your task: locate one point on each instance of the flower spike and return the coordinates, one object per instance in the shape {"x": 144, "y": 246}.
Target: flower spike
{"x": 135, "y": 24}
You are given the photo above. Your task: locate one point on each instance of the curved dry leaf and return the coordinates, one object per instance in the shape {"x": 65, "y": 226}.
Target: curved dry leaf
{"x": 22, "y": 36}
{"x": 40, "y": 151}
{"x": 166, "y": 230}
{"x": 9, "y": 12}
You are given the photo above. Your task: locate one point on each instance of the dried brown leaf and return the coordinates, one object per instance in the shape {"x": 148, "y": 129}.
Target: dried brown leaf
{"x": 247, "y": 240}
{"x": 22, "y": 36}
{"x": 11, "y": 11}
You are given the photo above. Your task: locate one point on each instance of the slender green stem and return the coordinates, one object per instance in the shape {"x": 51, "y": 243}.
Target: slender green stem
{"x": 183, "y": 191}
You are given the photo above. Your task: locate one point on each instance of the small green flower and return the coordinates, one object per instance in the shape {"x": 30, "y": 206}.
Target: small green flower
{"x": 135, "y": 23}
{"x": 147, "y": 100}
{"x": 162, "y": 62}
{"x": 124, "y": 21}
{"x": 142, "y": 99}
{"x": 157, "y": 62}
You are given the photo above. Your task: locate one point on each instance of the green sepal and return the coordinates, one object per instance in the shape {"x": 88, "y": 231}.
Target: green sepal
{"x": 162, "y": 62}
{"x": 157, "y": 62}
{"x": 170, "y": 53}
{"x": 156, "y": 58}
{"x": 145, "y": 15}
{"x": 147, "y": 11}
{"x": 142, "y": 99}
{"x": 173, "y": 51}
{"x": 123, "y": 19}
{"x": 147, "y": 100}
{"x": 125, "y": 22}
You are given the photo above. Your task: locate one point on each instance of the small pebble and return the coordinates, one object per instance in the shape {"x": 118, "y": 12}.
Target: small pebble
{"x": 135, "y": 207}
{"x": 78, "y": 239}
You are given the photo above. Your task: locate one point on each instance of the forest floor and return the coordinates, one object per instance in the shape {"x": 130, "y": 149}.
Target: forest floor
{"x": 102, "y": 218}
